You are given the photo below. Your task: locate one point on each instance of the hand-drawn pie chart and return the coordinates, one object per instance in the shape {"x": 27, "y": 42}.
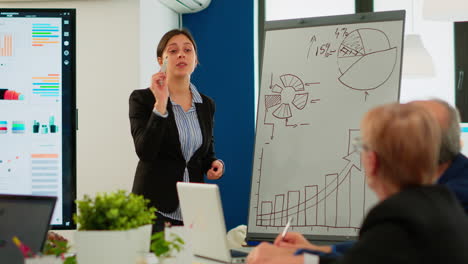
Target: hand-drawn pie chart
{"x": 298, "y": 98}
{"x": 365, "y": 59}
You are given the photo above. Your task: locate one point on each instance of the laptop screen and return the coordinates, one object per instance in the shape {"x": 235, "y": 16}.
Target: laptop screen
{"x": 26, "y": 217}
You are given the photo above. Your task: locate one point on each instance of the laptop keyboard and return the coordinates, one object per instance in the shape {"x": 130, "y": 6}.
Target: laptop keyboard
{"x": 238, "y": 254}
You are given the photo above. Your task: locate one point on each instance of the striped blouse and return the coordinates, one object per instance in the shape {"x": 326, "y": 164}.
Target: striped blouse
{"x": 190, "y": 137}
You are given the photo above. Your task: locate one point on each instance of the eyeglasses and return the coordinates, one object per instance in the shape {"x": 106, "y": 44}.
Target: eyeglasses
{"x": 359, "y": 145}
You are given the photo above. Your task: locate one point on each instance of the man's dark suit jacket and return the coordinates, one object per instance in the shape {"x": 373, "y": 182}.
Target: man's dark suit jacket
{"x": 423, "y": 225}
{"x": 157, "y": 144}
{"x": 456, "y": 179}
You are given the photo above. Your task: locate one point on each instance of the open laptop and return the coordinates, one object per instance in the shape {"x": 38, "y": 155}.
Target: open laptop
{"x": 203, "y": 215}
{"x": 26, "y": 217}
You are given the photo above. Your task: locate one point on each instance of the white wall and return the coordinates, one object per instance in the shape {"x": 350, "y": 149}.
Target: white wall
{"x": 281, "y": 9}
{"x": 109, "y": 60}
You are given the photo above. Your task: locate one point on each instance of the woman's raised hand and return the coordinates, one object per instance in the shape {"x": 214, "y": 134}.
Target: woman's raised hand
{"x": 160, "y": 91}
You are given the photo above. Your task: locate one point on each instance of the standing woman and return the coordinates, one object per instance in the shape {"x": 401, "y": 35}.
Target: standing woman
{"x": 172, "y": 129}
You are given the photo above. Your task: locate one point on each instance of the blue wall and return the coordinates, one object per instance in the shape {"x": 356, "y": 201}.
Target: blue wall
{"x": 225, "y": 39}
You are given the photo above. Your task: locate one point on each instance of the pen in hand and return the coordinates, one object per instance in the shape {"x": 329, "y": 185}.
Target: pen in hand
{"x": 285, "y": 230}
{"x": 163, "y": 69}
{"x": 164, "y": 65}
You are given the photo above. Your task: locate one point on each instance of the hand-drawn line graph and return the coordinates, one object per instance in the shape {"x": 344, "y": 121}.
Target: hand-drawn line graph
{"x": 312, "y": 206}
{"x": 290, "y": 92}
{"x": 358, "y": 55}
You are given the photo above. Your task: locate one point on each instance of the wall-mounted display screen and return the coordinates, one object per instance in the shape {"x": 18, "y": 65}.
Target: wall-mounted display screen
{"x": 37, "y": 107}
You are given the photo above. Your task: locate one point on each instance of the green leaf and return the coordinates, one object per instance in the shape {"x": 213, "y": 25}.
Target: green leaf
{"x": 164, "y": 248}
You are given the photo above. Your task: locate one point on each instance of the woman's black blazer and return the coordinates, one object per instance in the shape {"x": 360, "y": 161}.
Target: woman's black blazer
{"x": 157, "y": 145}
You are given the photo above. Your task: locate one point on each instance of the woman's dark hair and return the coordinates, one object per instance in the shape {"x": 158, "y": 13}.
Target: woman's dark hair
{"x": 163, "y": 42}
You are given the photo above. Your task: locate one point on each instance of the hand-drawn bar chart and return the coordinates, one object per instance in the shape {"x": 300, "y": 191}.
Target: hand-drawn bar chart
{"x": 313, "y": 205}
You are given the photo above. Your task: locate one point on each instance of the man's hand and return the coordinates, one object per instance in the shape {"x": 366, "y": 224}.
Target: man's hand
{"x": 266, "y": 253}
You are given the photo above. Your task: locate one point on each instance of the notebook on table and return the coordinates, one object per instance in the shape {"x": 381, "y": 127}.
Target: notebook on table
{"x": 26, "y": 217}
{"x": 202, "y": 212}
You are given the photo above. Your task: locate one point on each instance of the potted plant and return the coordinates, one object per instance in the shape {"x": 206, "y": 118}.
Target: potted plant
{"x": 57, "y": 246}
{"x": 164, "y": 246}
{"x": 113, "y": 227}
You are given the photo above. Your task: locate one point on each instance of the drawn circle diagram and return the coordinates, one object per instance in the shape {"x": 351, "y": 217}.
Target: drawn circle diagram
{"x": 366, "y": 59}
{"x": 291, "y": 92}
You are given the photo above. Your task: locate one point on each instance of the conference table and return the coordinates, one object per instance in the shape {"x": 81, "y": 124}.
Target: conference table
{"x": 183, "y": 258}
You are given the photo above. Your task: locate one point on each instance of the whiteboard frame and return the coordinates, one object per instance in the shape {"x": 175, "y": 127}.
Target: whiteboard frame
{"x": 370, "y": 17}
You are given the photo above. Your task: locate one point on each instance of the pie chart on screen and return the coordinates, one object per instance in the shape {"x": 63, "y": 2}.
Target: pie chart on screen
{"x": 366, "y": 59}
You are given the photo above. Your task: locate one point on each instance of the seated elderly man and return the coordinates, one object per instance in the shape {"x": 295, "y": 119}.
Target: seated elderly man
{"x": 453, "y": 166}
{"x": 414, "y": 221}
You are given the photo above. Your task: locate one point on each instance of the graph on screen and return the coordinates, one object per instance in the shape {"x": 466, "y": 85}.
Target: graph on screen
{"x": 37, "y": 106}
{"x": 6, "y": 45}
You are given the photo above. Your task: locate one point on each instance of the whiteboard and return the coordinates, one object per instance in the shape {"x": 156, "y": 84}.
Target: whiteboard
{"x": 319, "y": 77}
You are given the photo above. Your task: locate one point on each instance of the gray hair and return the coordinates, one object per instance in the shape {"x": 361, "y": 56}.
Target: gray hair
{"x": 450, "y": 143}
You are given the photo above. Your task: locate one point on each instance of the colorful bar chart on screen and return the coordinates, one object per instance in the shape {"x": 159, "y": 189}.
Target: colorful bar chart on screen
{"x": 45, "y": 127}
{"x": 6, "y": 94}
{"x": 6, "y": 45}
{"x": 3, "y": 127}
{"x": 45, "y": 174}
{"x": 18, "y": 127}
{"x": 47, "y": 86}
{"x": 44, "y": 34}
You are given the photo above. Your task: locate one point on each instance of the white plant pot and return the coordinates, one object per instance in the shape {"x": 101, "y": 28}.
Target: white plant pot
{"x": 116, "y": 247}
{"x": 167, "y": 260}
{"x": 143, "y": 239}
{"x": 43, "y": 260}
